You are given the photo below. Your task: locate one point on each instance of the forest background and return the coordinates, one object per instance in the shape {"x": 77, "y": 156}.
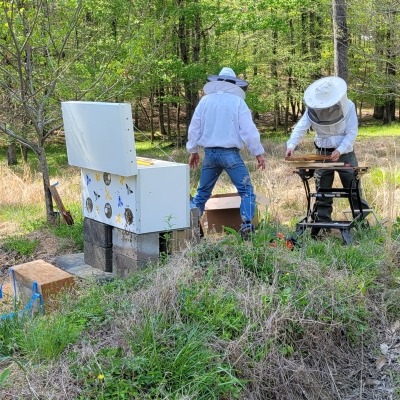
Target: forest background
{"x": 156, "y": 55}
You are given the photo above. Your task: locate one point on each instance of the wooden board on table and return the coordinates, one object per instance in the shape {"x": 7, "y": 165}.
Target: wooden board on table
{"x": 308, "y": 157}
{"x": 315, "y": 165}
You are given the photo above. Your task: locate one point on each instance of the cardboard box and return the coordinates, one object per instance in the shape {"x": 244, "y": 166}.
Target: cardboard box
{"x": 223, "y": 210}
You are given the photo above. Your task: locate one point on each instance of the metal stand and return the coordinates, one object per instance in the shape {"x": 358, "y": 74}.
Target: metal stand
{"x": 309, "y": 221}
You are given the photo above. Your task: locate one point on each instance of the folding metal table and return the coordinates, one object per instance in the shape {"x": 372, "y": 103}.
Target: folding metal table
{"x": 310, "y": 220}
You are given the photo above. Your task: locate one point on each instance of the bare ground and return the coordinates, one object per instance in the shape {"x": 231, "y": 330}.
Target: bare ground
{"x": 49, "y": 246}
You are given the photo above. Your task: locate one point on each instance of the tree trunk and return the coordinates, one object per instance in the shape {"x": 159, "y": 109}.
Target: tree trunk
{"x": 290, "y": 83}
{"x": 24, "y": 150}
{"x": 390, "y": 110}
{"x": 12, "y": 154}
{"x": 274, "y": 74}
{"x": 391, "y": 49}
{"x": 152, "y": 117}
{"x": 169, "y": 121}
{"x": 44, "y": 169}
{"x": 178, "y": 119}
{"x": 161, "y": 123}
{"x": 340, "y": 38}
{"x": 136, "y": 117}
{"x": 256, "y": 114}
{"x": 379, "y": 111}
{"x": 184, "y": 33}
{"x": 303, "y": 33}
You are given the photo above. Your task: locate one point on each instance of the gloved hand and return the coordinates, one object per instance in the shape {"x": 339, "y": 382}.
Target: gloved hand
{"x": 289, "y": 152}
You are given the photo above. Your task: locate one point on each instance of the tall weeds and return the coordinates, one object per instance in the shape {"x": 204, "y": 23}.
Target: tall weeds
{"x": 228, "y": 318}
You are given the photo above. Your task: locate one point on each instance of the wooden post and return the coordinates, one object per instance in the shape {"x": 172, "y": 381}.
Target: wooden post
{"x": 66, "y": 214}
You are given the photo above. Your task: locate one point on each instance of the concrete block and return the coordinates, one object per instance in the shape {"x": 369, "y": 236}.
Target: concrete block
{"x": 181, "y": 239}
{"x": 75, "y": 265}
{"x": 124, "y": 266}
{"x": 49, "y": 278}
{"x": 97, "y": 233}
{"x": 97, "y": 256}
{"x": 195, "y": 234}
{"x": 143, "y": 247}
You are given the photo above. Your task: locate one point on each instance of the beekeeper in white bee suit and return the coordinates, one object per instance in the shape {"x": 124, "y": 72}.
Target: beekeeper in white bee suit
{"x": 222, "y": 124}
{"x": 333, "y": 118}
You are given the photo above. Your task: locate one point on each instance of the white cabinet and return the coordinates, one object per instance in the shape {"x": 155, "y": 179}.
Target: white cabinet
{"x": 154, "y": 200}
{"x": 139, "y": 195}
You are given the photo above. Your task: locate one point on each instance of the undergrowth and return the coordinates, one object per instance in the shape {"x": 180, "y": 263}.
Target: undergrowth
{"x": 224, "y": 319}
{"x": 217, "y": 324}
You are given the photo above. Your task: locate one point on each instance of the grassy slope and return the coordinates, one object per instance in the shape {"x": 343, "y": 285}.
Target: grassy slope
{"x": 224, "y": 319}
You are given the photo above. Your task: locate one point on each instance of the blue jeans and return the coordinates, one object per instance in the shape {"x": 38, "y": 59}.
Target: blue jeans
{"x": 216, "y": 160}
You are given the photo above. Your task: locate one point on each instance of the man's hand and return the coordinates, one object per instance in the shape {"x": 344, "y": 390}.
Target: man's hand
{"x": 289, "y": 152}
{"x": 335, "y": 155}
{"x": 261, "y": 162}
{"x": 194, "y": 160}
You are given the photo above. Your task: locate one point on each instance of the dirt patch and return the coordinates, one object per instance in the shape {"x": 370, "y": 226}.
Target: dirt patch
{"x": 49, "y": 246}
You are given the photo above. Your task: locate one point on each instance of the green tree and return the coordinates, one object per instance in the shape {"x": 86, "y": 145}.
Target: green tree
{"x": 55, "y": 51}
{"x": 33, "y": 50}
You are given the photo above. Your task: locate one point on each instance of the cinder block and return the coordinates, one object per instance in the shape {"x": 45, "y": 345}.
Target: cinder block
{"x": 49, "y": 278}
{"x": 123, "y": 266}
{"x": 180, "y": 239}
{"x": 138, "y": 247}
{"x": 195, "y": 235}
{"x": 97, "y": 256}
{"x": 97, "y": 233}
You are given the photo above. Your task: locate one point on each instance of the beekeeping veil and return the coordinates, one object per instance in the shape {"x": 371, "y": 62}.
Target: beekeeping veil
{"x": 326, "y": 101}
{"x": 227, "y": 82}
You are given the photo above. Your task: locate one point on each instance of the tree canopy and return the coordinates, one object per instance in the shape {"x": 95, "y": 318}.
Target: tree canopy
{"x": 157, "y": 54}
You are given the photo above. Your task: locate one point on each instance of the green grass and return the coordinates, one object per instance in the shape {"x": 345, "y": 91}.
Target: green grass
{"x": 21, "y": 245}
{"x": 32, "y": 218}
{"x": 162, "y": 149}
{"x": 73, "y": 233}
{"x": 379, "y": 130}
{"x": 213, "y": 308}
{"x": 163, "y": 360}
{"x": 140, "y": 349}
{"x": 47, "y": 338}
{"x": 29, "y": 218}
{"x": 379, "y": 177}
{"x": 227, "y": 318}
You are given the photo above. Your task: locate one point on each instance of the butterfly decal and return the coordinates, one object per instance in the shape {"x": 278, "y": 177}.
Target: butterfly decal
{"x": 96, "y": 195}
{"x": 128, "y": 189}
{"x": 118, "y": 218}
{"x": 121, "y": 180}
{"x": 98, "y": 177}
{"x": 120, "y": 202}
{"x": 108, "y": 195}
{"x": 88, "y": 179}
